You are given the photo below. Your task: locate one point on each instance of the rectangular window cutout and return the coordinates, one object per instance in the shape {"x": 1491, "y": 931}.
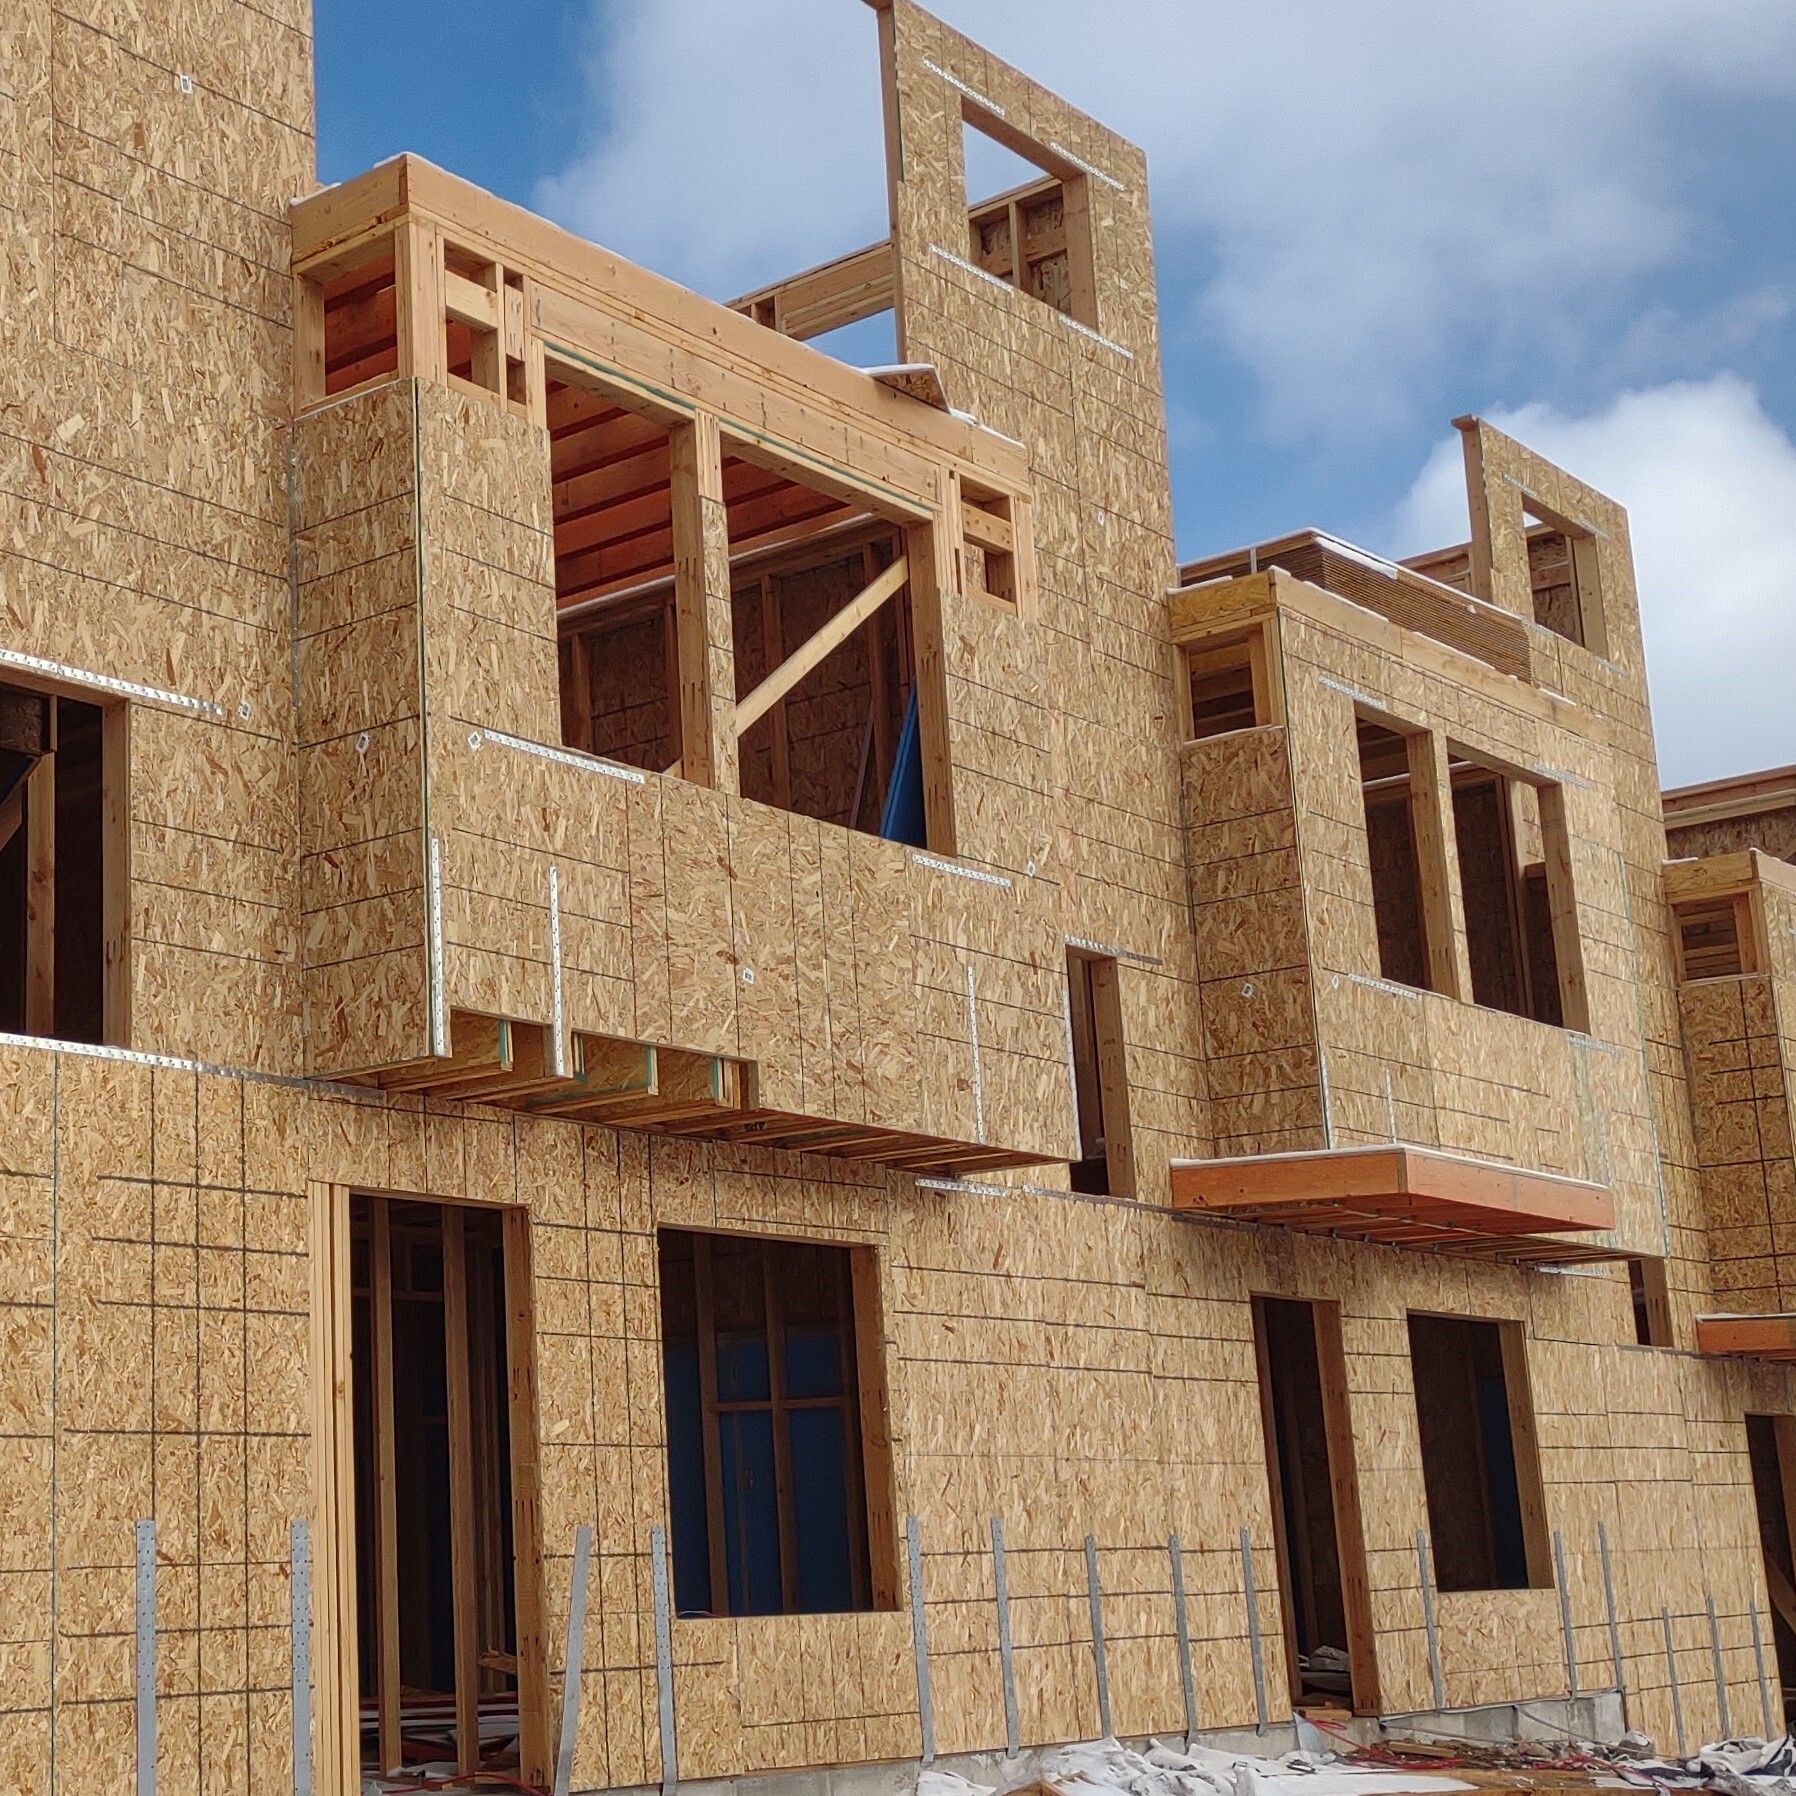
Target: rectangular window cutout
{"x": 361, "y": 324}
{"x": 778, "y": 1452}
{"x": 1394, "y": 854}
{"x": 1515, "y": 878}
{"x": 1229, "y": 684}
{"x": 62, "y": 888}
{"x": 990, "y": 553}
{"x": 1036, "y": 234}
{"x": 1715, "y": 938}
{"x": 1651, "y": 1303}
{"x": 1562, "y": 576}
{"x": 483, "y": 323}
{"x": 1480, "y": 1459}
{"x": 1106, "y": 1163}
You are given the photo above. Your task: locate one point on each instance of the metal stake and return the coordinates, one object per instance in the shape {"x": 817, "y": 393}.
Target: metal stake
{"x": 1758, "y": 1656}
{"x": 146, "y": 1659}
{"x": 1094, "y": 1596}
{"x": 919, "y": 1638}
{"x": 670, "y": 1742}
{"x": 300, "y": 1536}
{"x": 1426, "y": 1579}
{"x": 1618, "y": 1670}
{"x": 1727, "y": 1725}
{"x": 1252, "y": 1598}
{"x": 1183, "y": 1623}
{"x": 1565, "y": 1617}
{"x": 1671, "y": 1674}
{"x": 573, "y": 1662}
{"x": 1013, "y": 1732}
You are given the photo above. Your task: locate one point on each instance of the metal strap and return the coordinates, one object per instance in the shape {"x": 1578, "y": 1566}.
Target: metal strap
{"x": 1617, "y": 1668}
{"x": 670, "y": 1743}
{"x": 1671, "y": 1678}
{"x": 146, "y": 1658}
{"x": 1565, "y": 1616}
{"x": 573, "y": 1662}
{"x": 1094, "y": 1596}
{"x": 919, "y": 1639}
{"x": 1251, "y": 1597}
{"x": 1758, "y": 1657}
{"x": 301, "y": 1599}
{"x": 1183, "y": 1623}
{"x": 1425, "y": 1577}
{"x": 1013, "y": 1732}
{"x": 1727, "y": 1725}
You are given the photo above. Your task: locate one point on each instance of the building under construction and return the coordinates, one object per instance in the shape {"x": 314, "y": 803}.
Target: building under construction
{"x": 679, "y": 1008}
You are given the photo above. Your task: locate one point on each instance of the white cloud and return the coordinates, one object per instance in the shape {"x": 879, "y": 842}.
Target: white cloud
{"x": 1710, "y": 485}
{"x": 1367, "y": 187}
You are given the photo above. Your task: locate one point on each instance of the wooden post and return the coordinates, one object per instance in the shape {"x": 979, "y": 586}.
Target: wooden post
{"x": 333, "y": 1492}
{"x": 386, "y": 1483}
{"x": 526, "y": 1503}
{"x": 308, "y": 343}
{"x": 1568, "y": 949}
{"x": 464, "y": 1603}
{"x": 40, "y": 895}
{"x": 707, "y": 656}
{"x": 1350, "y": 1533}
{"x": 418, "y": 300}
{"x": 930, "y": 553}
{"x": 115, "y": 874}
{"x": 1437, "y": 868}
{"x": 703, "y": 1304}
{"x": 773, "y": 652}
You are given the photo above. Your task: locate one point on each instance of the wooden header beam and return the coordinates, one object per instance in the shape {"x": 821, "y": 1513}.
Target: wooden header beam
{"x": 1748, "y": 1337}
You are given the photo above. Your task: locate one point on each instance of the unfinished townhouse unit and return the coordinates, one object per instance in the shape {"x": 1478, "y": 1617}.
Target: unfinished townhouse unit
{"x": 702, "y": 1076}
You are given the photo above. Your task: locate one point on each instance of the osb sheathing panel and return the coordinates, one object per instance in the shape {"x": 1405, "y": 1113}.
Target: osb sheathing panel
{"x": 1773, "y": 831}
{"x": 1062, "y": 726}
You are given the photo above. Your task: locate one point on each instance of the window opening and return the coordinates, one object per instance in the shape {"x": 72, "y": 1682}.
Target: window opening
{"x": 1480, "y": 1462}
{"x": 62, "y": 974}
{"x": 1105, "y": 1166}
{"x": 1715, "y": 938}
{"x": 1035, "y": 232}
{"x": 442, "y": 1567}
{"x": 1315, "y": 1491}
{"x": 1651, "y": 1302}
{"x": 1393, "y": 854}
{"x": 778, "y": 1461}
{"x": 990, "y": 553}
{"x": 1228, "y": 682}
{"x": 1515, "y": 880}
{"x": 1562, "y": 577}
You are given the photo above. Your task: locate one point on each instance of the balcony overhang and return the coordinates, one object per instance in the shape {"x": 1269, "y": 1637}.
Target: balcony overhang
{"x": 1770, "y": 1337}
{"x": 1397, "y": 1195}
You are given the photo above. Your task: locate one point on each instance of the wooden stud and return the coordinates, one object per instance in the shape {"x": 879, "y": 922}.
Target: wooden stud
{"x": 1536, "y": 1536}
{"x": 703, "y": 626}
{"x": 704, "y": 1300}
{"x": 526, "y": 1501}
{"x": 1437, "y": 866}
{"x": 115, "y": 874}
{"x": 462, "y": 1520}
{"x": 929, "y": 557}
{"x": 1350, "y": 1529}
{"x": 40, "y": 896}
{"x": 386, "y": 1486}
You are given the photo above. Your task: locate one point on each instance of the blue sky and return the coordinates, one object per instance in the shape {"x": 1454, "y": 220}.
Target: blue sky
{"x": 1370, "y": 215}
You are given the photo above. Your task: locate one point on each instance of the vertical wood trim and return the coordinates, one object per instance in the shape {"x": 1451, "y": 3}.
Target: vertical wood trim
{"x": 1113, "y": 1076}
{"x": 115, "y": 874}
{"x": 931, "y": 558}
{"x": 386, "y": 1482}
{"x": 1081, "y": 262}
{"x": 1562, "y": 906}
{"x": 1437, "y": 869}
{"x": 877, "y": 1482}
{"x": 702, "y": 1303}
{"x": 1525, "y": 1439}
{"x": 773, "y": 652}
{"x": 782, "y": 1440}
{"x": 40, "y": 896}
{"x": 337, "y": 1712}
{"x": 1350, "y": 1532}
{"x": 526, "y": 1502}
{"x": 418, "y": 300}
{"x": 707, "y": 661}
{"x": 461, "y": 1491}
{"x": 1275, "y": 1486}
{"x": 308, "y": 343}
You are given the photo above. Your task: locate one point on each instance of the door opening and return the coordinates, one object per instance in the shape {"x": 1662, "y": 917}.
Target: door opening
{"x": 1771, "y": 1444}
{"x": 1326, "y": 1604}
{"x": 447, "y": 1623}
